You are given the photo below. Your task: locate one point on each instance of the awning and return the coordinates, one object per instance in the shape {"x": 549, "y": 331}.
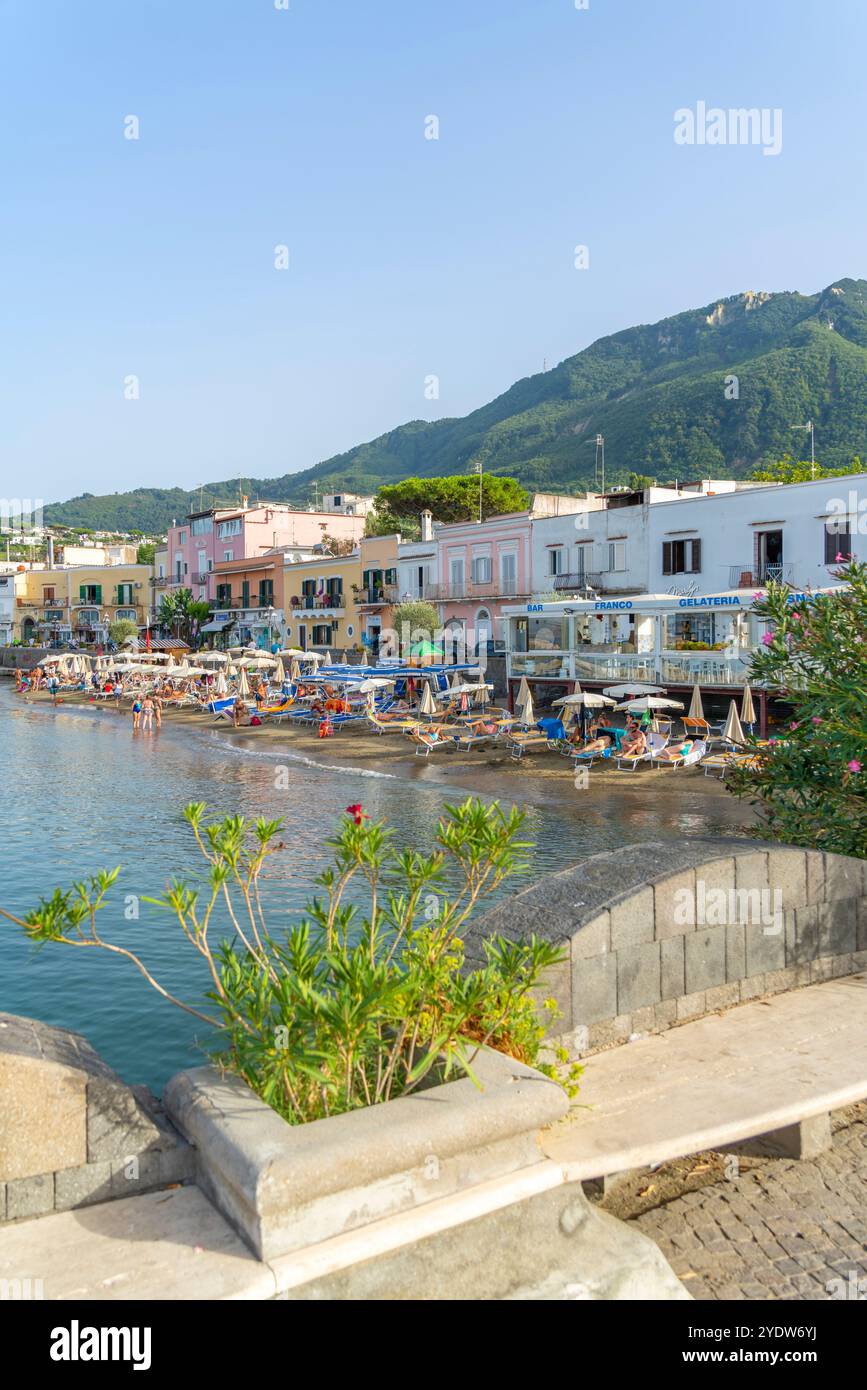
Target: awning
{"x": 218, "y": 627}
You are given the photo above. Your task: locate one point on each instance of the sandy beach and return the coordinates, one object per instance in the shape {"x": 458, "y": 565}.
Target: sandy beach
{"x": 540, "y": 778}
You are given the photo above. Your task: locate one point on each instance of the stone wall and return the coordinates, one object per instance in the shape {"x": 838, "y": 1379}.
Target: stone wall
{"x": 657, "y": 934}
{"x": 71, "y": 1132}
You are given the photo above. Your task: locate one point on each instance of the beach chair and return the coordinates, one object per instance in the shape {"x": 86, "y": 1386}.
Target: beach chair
{"x": 670, "y": 757}
{"x": 428, "y": 739}
{"x": 630, "y": 761}
{"x": 519, "y": 742}
{"x": 593, "y": 755}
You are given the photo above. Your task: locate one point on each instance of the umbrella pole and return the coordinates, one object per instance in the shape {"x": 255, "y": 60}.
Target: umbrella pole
{"x": 763, "y": 714}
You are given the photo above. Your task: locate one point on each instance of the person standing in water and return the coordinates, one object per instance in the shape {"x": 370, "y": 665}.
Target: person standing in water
{"x": 136, "y": 714}
{"x": 147, "y": 715}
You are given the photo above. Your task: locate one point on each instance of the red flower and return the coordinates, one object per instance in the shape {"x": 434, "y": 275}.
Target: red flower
{"x": 357, "y": 814}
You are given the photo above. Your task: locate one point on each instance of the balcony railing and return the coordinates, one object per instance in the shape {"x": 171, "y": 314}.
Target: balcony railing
{"x": 582, "y": 579}
{"x": 377, "y": 594}
{"x": 314, "y": 603}
{"x": 751, "y": 576}
{"x": 476, "y": 589}
{"x": 708, "y": 668}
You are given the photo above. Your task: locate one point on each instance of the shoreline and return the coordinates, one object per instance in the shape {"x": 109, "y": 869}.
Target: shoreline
{"x": 538, "y": 779}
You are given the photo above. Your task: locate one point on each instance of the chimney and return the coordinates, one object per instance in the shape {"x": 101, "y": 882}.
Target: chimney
{"x": 50, "y": 555}
{"x": 427, "y": 525}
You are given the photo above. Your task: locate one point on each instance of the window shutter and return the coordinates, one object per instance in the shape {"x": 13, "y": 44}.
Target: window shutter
{"x": 81, "y": 593}
{"x": 696, "y": 557}
{"x": 667, "y": 547}
{"x": 98, "y": 590}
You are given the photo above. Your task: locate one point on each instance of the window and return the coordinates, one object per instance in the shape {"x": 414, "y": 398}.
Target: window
{"x": 224, "y": 595}
{"x": 228, "y": 554}
{"x": 555, "y": 560}
{"x": 124, "y": 593}
{"x": 48, "y": 593}
{"x": 308, "y": 588}
{"x": 229, "y": 528}
{"x": 509, "y": 572}
{"x": 129, "y": 613}
{"x": 182, "y": 538}
{"x": 245, "y": 593}
{"x": 681, "y": 557}
{"x": 202, "y": 526}
{"x": 837, "y": 541}
{"x": 321, "y": 634}
{"x": 90, "y": 593}
{"x": 266, "y": 593}
{"x": 456, "y": 574}
{"x": 581, "y": 560}
{"x": 616, "y": 555}
{"x": 481, "y": 570}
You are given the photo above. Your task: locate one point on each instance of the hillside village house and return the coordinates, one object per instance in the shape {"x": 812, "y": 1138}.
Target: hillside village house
{"x": 320, "y": 598}
{"x": 220, "y": 535}
{"x": 81, "y": 602}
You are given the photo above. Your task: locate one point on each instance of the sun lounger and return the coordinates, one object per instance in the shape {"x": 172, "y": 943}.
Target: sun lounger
{"x": 671, "y": 757}
{"x": 655, "y": 745}
{"x": 428, "y": 740}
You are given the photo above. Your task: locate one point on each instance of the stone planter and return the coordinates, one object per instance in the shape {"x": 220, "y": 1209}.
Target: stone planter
{"x": 285, "y": 1187}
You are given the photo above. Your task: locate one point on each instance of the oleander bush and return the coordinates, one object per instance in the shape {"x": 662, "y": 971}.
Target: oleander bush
{"x": 367, "y": 995}
{"x": 808, "y": 783}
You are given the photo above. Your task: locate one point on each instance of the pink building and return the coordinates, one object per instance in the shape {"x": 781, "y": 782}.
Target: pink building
{"x": 220, "y": 534}
{"x": 482, "y": 567}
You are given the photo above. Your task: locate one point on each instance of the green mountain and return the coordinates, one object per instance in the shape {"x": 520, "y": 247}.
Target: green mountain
{"x": 657, "y": 393}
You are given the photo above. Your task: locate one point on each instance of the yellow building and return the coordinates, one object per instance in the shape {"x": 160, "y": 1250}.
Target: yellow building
{"x": 379, "y": 592}
{"x": 319, "y": 602}
{"x": 79, "y": 603}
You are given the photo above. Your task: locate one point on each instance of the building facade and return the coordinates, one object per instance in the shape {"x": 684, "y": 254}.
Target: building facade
{"x": 220, "y": 536}
{"x": 321, "y": 608}
{"x": 79, "y": 603}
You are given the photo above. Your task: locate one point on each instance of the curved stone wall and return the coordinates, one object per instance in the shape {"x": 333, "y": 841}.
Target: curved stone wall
{"x": 660, "y": 933}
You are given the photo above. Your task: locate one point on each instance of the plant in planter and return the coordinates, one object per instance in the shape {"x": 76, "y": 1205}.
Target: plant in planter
{"x": 365, "y": 997}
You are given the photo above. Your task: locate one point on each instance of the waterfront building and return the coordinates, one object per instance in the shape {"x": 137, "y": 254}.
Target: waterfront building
{"x": 79, "y": 603}
{"x": 379, "y": 593}
{"x": 221, "y": 535}
{"x": 320, "y": 601}
{"x": 484, "y": 565}
{"x": 7, "y": 608}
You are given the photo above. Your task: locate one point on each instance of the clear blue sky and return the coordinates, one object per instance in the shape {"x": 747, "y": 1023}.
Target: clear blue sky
{"x": 408, "y": 257}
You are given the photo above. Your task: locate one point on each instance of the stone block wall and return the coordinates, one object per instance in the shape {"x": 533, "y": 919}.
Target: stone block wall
{"x": 71, "y": 1132}
{"x": 657, "y": 934}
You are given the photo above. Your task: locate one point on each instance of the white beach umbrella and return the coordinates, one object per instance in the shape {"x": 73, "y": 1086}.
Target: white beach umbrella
{"x": 364, "y": 661}
{"x": 279, "y": 673}
{"x": 294, "y": 671}
{"x": 748, "y": 709}
{"x": 291, "y": 651}
{"x": 426, "y": 703}
{"x": 527, "y": 714}
{"x": 696, "y": 708}
{"x": 733, "y": 733}
{"x": 649, "y": 702}
{"x": 326, "y": 660}
{"x": 374, "y": 683}
{"x": 244, "y": 685}
{"x": 221, "y": 685}
{"x": 588, "y": 698}
{"x": 523, "y": 694}
{"x": 456, "y": 682}
{"x": 634, "y": 688}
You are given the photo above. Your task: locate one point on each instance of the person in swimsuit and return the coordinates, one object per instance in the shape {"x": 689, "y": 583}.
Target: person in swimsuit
{"x": 136, "y": 715}
{"x": 147, "y": 714}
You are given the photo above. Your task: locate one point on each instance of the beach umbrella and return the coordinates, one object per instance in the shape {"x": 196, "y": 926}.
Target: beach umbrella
{"x": 244, "y": 685}
{"x": 363, "y": 661}
{"x": 588, "y": 698}
{"x": 279, "y": 672}
{"x": 374, "y": 683}
{"x": 426, "y": 703}
{"x": 294, "y": 671}
{"x": 221, "y": 685}
{"x": 326, "y": 660}
{"x": 696, "y": 708}
{"x": 527, "y": 713}
{"x": 748, "y": 709}
{"x": 733, "y": 733}
{"x": 633, "y": 688}
{"x": 649, "y": 702}
{"x": 523, "y": 694}
{"x": 455, "y": 682}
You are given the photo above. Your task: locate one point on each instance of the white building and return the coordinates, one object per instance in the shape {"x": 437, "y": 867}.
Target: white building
{"x": 603, "y": 545}
{"x": 7, "y": 608}
{"x": 346, "y": 504}
{"x": 417, "y": 567}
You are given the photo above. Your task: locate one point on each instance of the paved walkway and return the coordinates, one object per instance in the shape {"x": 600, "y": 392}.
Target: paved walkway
{"x": 717, "y": 1081}
{"x": 787, "y": 1230}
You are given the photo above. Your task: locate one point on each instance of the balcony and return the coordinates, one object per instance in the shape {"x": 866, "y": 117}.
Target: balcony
{"x": 754, "y": 576}
{"x": 476, "y": 589}
{"x": 575, "y": 583}
{"x": 378, "y": 596}
{"x": 307, "y": 604}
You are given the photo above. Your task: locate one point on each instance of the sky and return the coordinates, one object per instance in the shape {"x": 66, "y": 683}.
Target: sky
{"x": 149, "y": 335}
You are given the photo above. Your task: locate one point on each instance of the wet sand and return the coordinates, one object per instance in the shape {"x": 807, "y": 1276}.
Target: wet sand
{"x": 540, "y": 778}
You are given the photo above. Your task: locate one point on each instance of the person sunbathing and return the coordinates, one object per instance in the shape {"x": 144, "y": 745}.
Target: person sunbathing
{"x": 635, "y": 745}
{"x": 598, "y": 741}
{"x": 676, "y": 753}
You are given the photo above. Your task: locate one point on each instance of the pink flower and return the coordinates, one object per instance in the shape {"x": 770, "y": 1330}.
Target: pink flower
{"x": 357, "y": 813}
{"x": 794, "y": 726}
{"x": 768, "y": 639}
{"x": 816, "y": 719}
{"x": 854, "y": 766}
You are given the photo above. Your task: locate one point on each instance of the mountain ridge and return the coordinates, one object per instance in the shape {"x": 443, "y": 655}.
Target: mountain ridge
{"x": 657, "y": 392}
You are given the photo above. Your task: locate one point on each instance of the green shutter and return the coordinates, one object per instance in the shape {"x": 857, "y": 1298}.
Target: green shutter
{"x": 81, "y": 593}
{"x": 98, "y": 591}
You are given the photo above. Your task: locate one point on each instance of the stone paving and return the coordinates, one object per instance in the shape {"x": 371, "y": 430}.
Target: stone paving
{"x": 785, "y": 1229}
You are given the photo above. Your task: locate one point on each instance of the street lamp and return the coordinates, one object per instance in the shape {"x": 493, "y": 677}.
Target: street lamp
{"x": 811, "y": 427}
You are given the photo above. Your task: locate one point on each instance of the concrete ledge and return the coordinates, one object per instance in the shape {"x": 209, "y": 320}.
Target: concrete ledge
{"x": 284, "y": 1187}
